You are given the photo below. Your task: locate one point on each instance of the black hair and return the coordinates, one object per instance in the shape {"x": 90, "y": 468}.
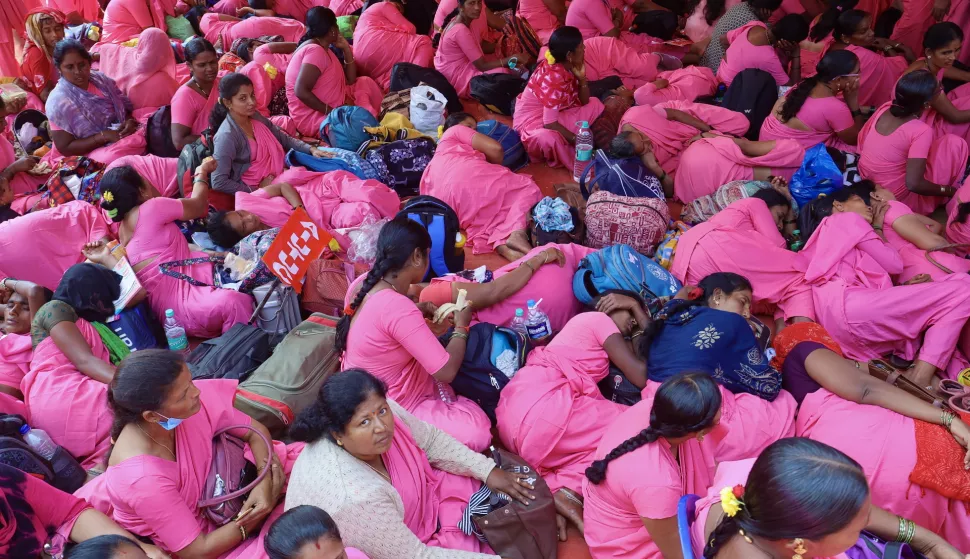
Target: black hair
{"x": 242, "y": 49}
{"x": 194, "y": 17}
{"x": 633, "y": 295}
{"x": 963, "y": 211}
{"x": 848, "y": 23}
{"x": 812, "y": 214}
{"x": 885, "y": 24}
{"x": 797, "y": 488}
{"x": 436, "y": 40}
{"x": 621, "y": 146}
{"x": 335, "y": 405}
{"x": 772, "y": 198}
{"x": 913, "y": 91}
{"x": 120, "y": 189}
{"x": 454, "y": 119}
{"x": 67, "y": 46}
{"x": 834, "y": 64}
{"x": 196, "y": 46}
{"x": 563, "y": 41}
{"x": 864, "y": 190}
{"x": 941, "y": 34}
{"x": 297, "y": 527}
{"x": 141, "y": 384}
{"x": 397, "y": 241}
{"x": 726, "y": 282}
{"x": 661, "y": 24}
{"x": 99, "y": 547}
{"x": 685, "y": 403}
{"x": 712, "y": 10}
{"x": 793, "y": 28}
{"x": 228, "y": 88}
{"x": 220, "y": 231}
{"x": 319, "y": 22}
{"x": 258, "y": 4}
{"x": 763, "y": 5}
{"x": 826, "y": 22}
{"x": 838, "y": 157}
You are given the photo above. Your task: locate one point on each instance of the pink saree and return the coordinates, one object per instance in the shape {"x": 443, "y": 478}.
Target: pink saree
{"x": 145, "y": 73}
{"x": 126, "y": 19}
{"x": 160, "y": 172}
{"x": 607, "y": 56}
{"x": 191, "y": 109}
{"x": 20, "y": 183}
{"x": 878, "y": 75}
{"x": 958, "y": 232}
{"x": 216, "y": 29}
{"x": 914, "y": 258}
{"x": 15, "y": 354}
{"x": 685, "y": 84}
{"x": 266, "y": 155}
{"x": 383, "y": 29}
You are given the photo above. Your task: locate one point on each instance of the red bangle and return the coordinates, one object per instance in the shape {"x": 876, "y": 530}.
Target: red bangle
{"x": 461, "y": 329}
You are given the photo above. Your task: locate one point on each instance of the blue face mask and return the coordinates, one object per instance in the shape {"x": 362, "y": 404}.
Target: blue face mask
{"x": 170, "y": 422}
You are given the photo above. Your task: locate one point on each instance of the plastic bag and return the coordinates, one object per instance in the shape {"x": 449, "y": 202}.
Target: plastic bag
{"x": 363, "y": 246}
{"x": 427, "y": 109}
{"x": 817, "y": 175}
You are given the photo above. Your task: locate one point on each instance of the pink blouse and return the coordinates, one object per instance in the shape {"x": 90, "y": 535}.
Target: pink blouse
{"x": 591, "y": 17}
{"x": 191, "y": 109}
{"x": 742, "y": 55}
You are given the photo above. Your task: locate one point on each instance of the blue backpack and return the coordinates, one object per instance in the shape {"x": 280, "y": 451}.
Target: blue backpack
{"x": 515, "y": 155}
{"x": 442, "y": 224}
{"x": 622, "y": 267}
{"x": 623, "y": 177}
{"x": 342, "y": 160}
{"x": 344, "y": 127}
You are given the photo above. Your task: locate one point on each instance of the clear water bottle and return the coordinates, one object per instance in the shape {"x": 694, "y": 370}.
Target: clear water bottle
{"x": 68, "y": 473}
{"x": 518, "y": 323}
{"x": 445, "y": 392}
{"x": 537, "y": 323}
{"x": 39, "y": 441}
{"x": 584, "y": 149}
{"x": 175, "y": 333}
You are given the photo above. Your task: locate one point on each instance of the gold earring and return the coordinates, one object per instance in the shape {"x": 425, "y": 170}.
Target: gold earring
{"x": 340, "y": 443}
{"x": 799, "y": 548}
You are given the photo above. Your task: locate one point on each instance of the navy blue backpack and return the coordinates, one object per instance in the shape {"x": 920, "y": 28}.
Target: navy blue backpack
{"x": 442, "y": 224}
{"x": 516, "y": 156}
{"x": 624, "y": 177}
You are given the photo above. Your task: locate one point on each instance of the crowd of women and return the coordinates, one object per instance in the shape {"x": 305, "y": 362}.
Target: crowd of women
{"x": 749, "y": 389}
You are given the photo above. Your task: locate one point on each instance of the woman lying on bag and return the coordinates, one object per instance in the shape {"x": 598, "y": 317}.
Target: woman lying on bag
{"x": 395, "y": 485}
{"x": 162, "y": 460}
{"x": 20, "y": 301}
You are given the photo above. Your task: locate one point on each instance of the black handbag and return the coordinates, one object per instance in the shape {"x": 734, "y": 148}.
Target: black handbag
{"x": 618, "y": 389}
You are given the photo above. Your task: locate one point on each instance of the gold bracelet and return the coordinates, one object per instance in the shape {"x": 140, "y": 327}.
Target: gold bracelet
{"x": 457, "y": 334}
{"x": 242, "y": 531}
{"x": 947, "y": 418}
{"x": 901, "y": 531}
{"x": 910, "y": 531}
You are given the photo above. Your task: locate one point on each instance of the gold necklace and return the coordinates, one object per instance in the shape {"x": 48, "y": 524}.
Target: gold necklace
{"x": 383, "y": 475}
{"x": 156, "y": 442}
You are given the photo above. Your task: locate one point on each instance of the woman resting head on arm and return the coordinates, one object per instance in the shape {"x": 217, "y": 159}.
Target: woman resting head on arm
{"x": 306, "y": 532}
{"x": 837, "y": 73}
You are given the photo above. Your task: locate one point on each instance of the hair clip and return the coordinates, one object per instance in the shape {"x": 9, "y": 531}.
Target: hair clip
{"x": 550, "y": 58}
{"x": 349, "y": 311}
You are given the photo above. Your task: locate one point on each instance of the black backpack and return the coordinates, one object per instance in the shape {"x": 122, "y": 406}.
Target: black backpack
{"x": 159, "y": 133}
{"x": 63, "y": 472}
{"x": 478, "y": 379}
{"x": 232, "y": 355}
{"x": 190, "y": 158}
{"x": 405, "y": 75}
{"x": 618, "y": 389}
{"x": 497, "y": 92}
{"x": 442, "y": 224}
{"x": 753, "y": 93}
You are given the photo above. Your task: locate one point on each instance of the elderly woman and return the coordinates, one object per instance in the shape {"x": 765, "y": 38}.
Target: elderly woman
{"x": 21, "y": 301}
{"x": 88, "y": 114}
{"x": 45, "y": 28}
{"x": 395, "y": 485}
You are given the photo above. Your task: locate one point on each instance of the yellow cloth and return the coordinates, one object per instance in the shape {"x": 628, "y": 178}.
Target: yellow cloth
{"x": 394, "y": 126}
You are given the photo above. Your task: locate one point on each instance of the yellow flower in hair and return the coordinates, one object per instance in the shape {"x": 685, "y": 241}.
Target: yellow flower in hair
{"x": 441, "y": 130}
{"x": 730, "y": 502}
{"x": 271, "y": 70}
{"x": 108, "y": 196}
{"x": 549, "y": 57}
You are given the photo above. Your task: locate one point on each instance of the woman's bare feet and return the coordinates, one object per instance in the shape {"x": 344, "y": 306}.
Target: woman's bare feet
{"x": 507, "y": 253}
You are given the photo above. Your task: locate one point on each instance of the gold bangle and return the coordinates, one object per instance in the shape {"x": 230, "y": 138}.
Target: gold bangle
{"x": 901, "y": 531}
{"x": 242, "y": 531}
{"x": 457, "y": 334}
{"x": 947, "y": 418}
{"x": 910, "y": 531}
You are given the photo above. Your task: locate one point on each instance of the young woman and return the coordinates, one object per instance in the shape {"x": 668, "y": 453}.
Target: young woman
{"x": 545, "y": 16}
{"x": 383, "y": 29}
{"x": 745, "y": 238}
{"x": 631, "y": 515}
{"x": 686, "y": 84}
{"x": 756, "y": 46}
{"x": 383, "y": 331}
{"x": 898, "y": 151}
{"x": 303, "y": 530}
{"x": 395, "y": 485}
{"x": 555, "y": 99}
{"x": 459, "y": 55}
{"x": 849, "y": 264}
{"x": 222, "y": 30}
{"x": 88, "y": 114}
{"x": 949, "y": 112}
{"x": 492, "y": 209}
{"x": 799, "y": 496}
{"x": 714, "y": 160}
{"x": 21, "y": 300}
{"x": 193, "y": 101}
{"x": 163, "y": 429}
{"x": 152, "y": 238}
{"x": 821, "y": 109}
{"x": 248, "y": 148}
{"x": 44, "y": 28}
{"x": 145, "y": 73}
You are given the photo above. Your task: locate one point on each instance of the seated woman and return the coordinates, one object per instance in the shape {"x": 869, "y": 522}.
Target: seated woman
{"x": 799, "y": 496}
{"x": 740, "y": 14}
{"x": 21, "y": 300}
{"x": 220, "y": 29}
{"x": 193, "y": 101}
{"x": 957, "y": 211}
{"x": 366, "y": 456}
{"x": 756, "y": 46}
{"x": 898, "y": 151}
{"x": 881, "y": 62}
{"x": 493, "y": 209}
{"x": 318, "y": 82}
{"x": 459, "y": 55}
{"x": 383, "y": 29}
{"x": 821, "y": 109}
{"x": 152, "y": 238}
{"x": 300, "y": 531}
{"x": 552, "y": 413}
{"x": 628, "y": 514}
{"x": 608, "y": 56}
{"x": 66, "y": 388}
{"x": 384, "y": 331}
{"x": 45, "y": 28}
{"x": 145, "y": 73}
{"x": 673, "y": 124}
{"x": 849, "y": 264}
{"x": 745, "y": 239}
{"x": 88, "y": 113}
{"x": 163, "y": 429}
{"x": 126, "y": 19}
{"x": 555, "y": 99}
{"x": 36, "y": 513}
{"x": 715, "y": 160}
{"x": 15, "y": 176}
{"x": 545, "y": 16}
{"x": 949, "y": 112}
{"x": 594, "y": 18}
{"x": 159, "y": 172}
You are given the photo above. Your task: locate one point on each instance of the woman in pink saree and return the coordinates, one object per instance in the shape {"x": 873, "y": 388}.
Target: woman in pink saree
{"x": 383, "y": 29}
{"x": 608, "y": 56}
{"x": 671, "y": 125}
{"x": 152, "y": 238}
{"x": 492, "y": 210}
{"x": 849, "y": 264}
{"x": 594, "y": 18}
{"x": 163, "y": 428}
{"x": 126, "y": 19}
{"x": 957, "y": 211}
{"x": 145, "y": 73}
{"x": 220, "y": 29}
{"x": 543, "y": 18}
{"x": 686, "y": 84}
{"x": 715, "y": 160}
{"x": 20, "y": 302}
{"x": 193, "y": 101}
{"x": 317, "y": 81}
{"x": 754, "y": 45}
{"x": 555, "y": 99}
{"x": 949, "y": 113}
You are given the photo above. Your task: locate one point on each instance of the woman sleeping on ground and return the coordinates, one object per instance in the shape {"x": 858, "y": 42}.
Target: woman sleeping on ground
{"x": 222, "y": 30}
{"x": 303, "y": 530}
{"x": 21, "y": 300}
{"x": 383, "y": 29}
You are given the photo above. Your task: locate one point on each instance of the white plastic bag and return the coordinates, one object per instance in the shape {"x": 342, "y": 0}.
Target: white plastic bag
{"x": 427, "y": 109}
{"x": 363, "y": 248}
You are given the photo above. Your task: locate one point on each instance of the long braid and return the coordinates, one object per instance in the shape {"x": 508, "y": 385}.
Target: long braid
{"x": 726, "y": 529}
{"x": 796, "y": 98}
{"x": 380, "y": 269}
{"x": 596, "y": 473}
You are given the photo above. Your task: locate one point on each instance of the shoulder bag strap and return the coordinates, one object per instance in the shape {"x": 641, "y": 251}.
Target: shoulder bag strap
{"x": 167, "y": 269}
{"x": 242, "y": 491}
{"x": 935, "y": 262}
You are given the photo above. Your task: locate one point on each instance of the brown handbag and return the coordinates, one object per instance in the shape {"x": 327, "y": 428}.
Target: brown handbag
{"x": 882, "y": 370}
{"x": 226, "y": 485}
{"x": 516, "y": 531}
{"x": 935, "y": 262}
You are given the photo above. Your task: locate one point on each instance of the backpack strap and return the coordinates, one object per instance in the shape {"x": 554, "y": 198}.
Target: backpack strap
{"x": 587, "y": 191}
{"x": 438, "y": 241}
{"x": 166, "y": 268}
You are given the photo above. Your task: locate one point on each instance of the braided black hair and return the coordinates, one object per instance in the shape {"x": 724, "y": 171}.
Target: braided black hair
{"x": 685, "y": 403}
{"x": 436, "y": 40}
{"x": 397, "y": 241}
{"x": 826, "y": 22}
{"x": 833, "y": 65}
{"x": 913, "y": 92}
